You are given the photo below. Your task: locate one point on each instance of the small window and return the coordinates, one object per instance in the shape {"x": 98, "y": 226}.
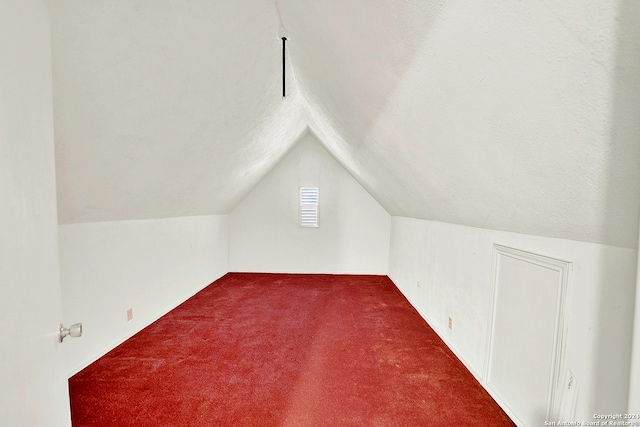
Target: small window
{"x": 309, "y": 206}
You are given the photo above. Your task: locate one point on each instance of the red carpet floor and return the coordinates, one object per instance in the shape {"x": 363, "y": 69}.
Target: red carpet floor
{"x": 284, "y": 350}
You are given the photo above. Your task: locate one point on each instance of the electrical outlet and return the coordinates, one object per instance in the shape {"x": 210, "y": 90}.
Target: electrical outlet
{"x": 450, "y": 323}
{"x": 418, "y": 283}
{"x": 129, "y": 314}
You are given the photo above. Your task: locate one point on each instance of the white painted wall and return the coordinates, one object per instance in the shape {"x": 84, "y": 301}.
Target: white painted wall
{"x": 353, "y": 236}
{"x": 634, "y": 376}
{"x": 148, "y": 265}
{"x": 33, "y": 387}
{"x": 454, "y": 266}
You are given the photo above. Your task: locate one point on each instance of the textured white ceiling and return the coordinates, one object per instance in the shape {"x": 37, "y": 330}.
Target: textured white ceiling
{"x": 165, "y": 108}
{"x": 518, "y": 116}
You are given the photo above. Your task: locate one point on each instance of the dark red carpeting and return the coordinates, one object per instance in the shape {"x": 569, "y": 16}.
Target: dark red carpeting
{"x": 284, "y": 350}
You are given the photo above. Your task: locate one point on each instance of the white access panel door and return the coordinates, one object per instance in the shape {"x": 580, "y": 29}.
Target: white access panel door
{"x": 33, "y": 387}
{"x": 526, "y": 334}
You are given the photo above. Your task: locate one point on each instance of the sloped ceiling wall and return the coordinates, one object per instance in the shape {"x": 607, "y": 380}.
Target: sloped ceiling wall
{"x": 517, "y": 116}
{"x": 507, "y": 115}
{"x": 165, "y": 108}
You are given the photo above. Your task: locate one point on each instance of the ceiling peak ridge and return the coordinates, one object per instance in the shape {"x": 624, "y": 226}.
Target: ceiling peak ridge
{"x": 282, "y": 30}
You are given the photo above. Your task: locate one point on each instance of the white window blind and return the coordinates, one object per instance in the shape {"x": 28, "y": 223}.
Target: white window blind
{"x": 309, "y": 206}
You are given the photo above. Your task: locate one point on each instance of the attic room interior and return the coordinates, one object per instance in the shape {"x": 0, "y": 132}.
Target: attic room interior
{"x": 483, "y": 158}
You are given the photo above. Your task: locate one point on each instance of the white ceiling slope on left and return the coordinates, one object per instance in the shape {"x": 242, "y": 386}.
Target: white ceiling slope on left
{"x": 515, "y": 116}
{"x": 166, "y": 108}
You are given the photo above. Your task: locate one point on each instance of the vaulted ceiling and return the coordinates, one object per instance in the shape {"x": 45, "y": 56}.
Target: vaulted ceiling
{"x": 517, "y": 116}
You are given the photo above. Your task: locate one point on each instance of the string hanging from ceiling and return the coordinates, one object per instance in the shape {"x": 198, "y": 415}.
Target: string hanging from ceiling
{"x": 284, "y": 47}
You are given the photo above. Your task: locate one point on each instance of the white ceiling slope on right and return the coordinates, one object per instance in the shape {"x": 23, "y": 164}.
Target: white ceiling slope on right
{"x": 516, "y": 116}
